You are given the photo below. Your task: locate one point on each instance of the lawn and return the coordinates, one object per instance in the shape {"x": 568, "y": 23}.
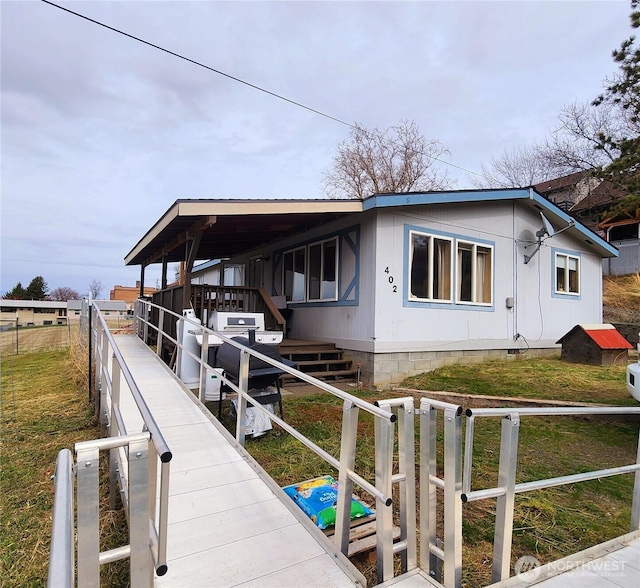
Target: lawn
{"x": 45, "y": 408}
{"x": 548, "y": 524}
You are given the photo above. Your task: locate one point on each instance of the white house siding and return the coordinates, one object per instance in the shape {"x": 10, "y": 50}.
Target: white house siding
{"x": 392, "y": 339}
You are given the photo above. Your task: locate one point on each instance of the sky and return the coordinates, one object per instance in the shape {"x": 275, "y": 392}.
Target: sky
{"x": 101, "y": 134}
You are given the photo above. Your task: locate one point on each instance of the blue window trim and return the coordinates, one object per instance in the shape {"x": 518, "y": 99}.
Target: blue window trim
{"x": 343, "y": 237}
{"x": 452, "y": 304}
{"x": 554, "y": 294}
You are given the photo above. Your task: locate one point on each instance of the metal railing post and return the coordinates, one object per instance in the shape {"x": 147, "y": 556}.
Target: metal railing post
{"x": 160, "y": 333}
{"x": 204, "y": 359}
{"x": 114, "y": 431}
{"x": 140, "y": 558}
{"x": 345, "y": 484}
{"x": 406, "y": 480}
{"x": 407, "y": 488}
{"x": 243, "y": 387}
{"x": 635, "y": 504}
{"x": 384, "y": 437}
{"x": 61, "y": 559}
{"x": 428, "y": 495}
{"x": 179, "y": 338}
{"x": 88, "y": 521}
{"x": 452, "y": 497}
{"x": 505, "y": 502}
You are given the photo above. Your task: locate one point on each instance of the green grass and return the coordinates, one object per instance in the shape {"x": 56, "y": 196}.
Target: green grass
{"x": 44, "y": 409}
{"x": 548, "y": 524}
{"x": 546, "y": 379}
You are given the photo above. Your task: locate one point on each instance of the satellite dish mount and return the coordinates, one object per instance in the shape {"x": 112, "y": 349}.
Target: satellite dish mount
{"x": 545, "y": 233}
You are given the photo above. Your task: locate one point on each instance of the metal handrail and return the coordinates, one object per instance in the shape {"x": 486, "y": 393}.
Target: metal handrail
{"x": 107, "y": 391}
{"x": 61, "y": 556}
{"x": 384, "y": 419}
{"x": 507, "y": 488}
{"x": 156, "y": 434}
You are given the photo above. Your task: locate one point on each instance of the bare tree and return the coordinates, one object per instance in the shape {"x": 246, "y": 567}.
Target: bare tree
{"x": 575, "y": 144}
{"x": 518, "y": 168}
{"x": 398, "y": 159}
{"x": 63, "y": 293}
{"x": 95, "y": 288}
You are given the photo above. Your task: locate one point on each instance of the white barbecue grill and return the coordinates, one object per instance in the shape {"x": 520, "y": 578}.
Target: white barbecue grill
{"x": 238, "y": 324}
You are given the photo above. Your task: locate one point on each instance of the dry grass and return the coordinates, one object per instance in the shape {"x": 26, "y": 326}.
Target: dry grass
{"x": 621, "y": 291}
{"x": 45, "y": 408}
{"x": 621, "y": 299}
{"x": 548, "y": 524}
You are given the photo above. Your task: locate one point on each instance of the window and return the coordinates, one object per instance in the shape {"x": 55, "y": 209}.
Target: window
{"x": 474, "y": 273}
{"x": 567, "y": 274}
{"x": 294, "y": 271}
{"x": 322, "y": 271}
{"x": 435, "y": 272}
{"x": 430, "y": 267}
{"x": 311, "y": 272}
{"x": 233, "y": 275}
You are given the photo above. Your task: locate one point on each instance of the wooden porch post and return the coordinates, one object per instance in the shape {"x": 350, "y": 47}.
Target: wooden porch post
{"x": 192, "y": 252}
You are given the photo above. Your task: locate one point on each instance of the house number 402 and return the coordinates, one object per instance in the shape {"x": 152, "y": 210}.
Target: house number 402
{"x": 394, "y": 288}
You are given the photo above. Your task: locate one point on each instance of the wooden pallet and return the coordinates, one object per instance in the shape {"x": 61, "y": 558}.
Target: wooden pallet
{"x": 362, "y": 535}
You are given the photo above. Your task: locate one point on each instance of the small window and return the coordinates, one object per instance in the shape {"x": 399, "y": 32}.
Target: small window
{"x": 294, "y": 272}
{"x": 567, "y": 274}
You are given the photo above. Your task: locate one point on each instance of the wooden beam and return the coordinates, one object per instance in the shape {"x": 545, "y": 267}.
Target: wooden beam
{"x": 191, "y": 256}
{"x": 200, "y": 224}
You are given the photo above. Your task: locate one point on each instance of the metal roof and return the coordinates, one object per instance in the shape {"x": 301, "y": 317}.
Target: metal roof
{"x": 606, "y": 336}
{"x": 232, "y": 227}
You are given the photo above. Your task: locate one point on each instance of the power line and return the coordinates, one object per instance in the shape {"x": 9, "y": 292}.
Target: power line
{"x": 197, "y": 63}
{"x": 226, "y": 75}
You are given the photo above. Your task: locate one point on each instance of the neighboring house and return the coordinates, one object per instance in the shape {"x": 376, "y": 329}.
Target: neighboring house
{"x": 109, "y": 308}
{"x": 32, "y": 312}
{"x": 624, "y": 234}
{"x": 129, "y": 294}
{"x": 586, "y": 198}
{"x": 210, "y": 272}
{"x": 565, "y": 192}
{"x": 405, "y": 282}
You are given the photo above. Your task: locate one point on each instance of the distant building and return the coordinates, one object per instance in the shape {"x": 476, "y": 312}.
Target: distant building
{"x": 109, "y": 308}
{"x": 32, "y": 312}
{"x": 129, "y": 294}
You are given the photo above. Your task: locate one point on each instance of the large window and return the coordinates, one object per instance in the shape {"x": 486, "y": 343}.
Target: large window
{"x": 567, "y": 274}
{"x": 441, "y": 266}
{"x": 310, "y": 272}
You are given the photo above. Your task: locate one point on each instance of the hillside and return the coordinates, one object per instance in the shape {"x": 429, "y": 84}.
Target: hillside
{"x": 621, "y": 299}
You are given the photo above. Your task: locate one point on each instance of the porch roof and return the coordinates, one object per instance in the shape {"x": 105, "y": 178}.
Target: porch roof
{"x": 230, "y": 227}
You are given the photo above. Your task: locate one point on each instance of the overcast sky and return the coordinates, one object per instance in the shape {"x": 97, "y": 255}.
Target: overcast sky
{"x": 101, "y": 134}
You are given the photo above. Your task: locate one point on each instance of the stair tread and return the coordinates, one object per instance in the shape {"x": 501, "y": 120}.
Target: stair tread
{"x": 321, "y": 375}
{"x": 323, "y": 361}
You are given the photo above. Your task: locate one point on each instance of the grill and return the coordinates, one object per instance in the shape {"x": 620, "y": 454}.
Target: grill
{"x": 261, "y": 374}
{"x": 243, "y": 323}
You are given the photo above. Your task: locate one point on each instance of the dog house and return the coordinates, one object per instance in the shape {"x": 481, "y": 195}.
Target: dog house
{"x": 595, "y": 345}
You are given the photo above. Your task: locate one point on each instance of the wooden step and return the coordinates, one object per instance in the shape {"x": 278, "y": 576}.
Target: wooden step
{"x": 335, "y": 374}
{"x": 342, "y": 361}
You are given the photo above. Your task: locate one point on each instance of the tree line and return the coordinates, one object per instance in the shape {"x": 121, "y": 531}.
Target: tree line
{"x": 39, "y": 290}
